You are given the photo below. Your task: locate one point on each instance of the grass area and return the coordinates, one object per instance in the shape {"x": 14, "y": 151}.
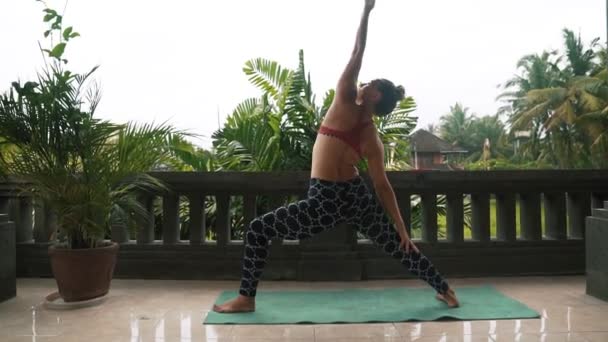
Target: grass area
{"x": 441, "y": 222}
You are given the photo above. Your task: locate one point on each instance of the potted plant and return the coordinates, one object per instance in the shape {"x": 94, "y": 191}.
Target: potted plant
{"x": 87, "y": 171}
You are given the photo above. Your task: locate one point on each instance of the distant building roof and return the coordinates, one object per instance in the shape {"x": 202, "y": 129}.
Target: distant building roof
{"x": 425, "y": 141}
{"x": 442, "y": 167}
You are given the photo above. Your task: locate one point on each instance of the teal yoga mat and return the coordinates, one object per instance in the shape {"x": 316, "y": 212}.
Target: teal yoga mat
{"x": 372, "y": 305}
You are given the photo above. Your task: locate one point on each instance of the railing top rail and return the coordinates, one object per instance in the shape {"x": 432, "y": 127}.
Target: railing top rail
{"x": 415, "y": 181}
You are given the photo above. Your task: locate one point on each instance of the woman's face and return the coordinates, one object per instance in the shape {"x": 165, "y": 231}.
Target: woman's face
{"x": 368, "y": 92}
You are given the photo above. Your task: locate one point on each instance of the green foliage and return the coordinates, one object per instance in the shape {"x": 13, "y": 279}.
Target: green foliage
{"x": 277, "y": 131}
{"x": 394, "y": 130}
{"x": 470, "y": 132}
{"x": 504, "y": 164}
{"x": 269, "y": 76}
{"x": 55, "y": 30}
{"x": 455, "y": 127}
{"x": 492, "y": 129}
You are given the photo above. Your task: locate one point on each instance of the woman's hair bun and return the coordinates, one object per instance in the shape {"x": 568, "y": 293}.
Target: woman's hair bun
{"x": 400, "y": 92}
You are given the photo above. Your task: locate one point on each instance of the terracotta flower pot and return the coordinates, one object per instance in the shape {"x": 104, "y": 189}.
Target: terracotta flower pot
{"x": 83, "y": 274}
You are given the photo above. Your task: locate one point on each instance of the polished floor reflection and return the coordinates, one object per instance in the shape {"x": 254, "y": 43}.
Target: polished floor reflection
{"x": 144, "y": 310}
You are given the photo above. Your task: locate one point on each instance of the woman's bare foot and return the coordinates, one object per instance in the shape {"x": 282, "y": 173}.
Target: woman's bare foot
{"x": 449, "y": 298}
{"x": 239, "y": 304}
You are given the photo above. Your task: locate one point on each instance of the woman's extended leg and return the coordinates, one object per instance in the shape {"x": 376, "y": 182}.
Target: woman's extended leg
{"x": 373, "y": 222}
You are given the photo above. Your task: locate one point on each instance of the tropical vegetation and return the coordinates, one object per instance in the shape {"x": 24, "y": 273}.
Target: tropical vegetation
{"x": 555, "y": 114}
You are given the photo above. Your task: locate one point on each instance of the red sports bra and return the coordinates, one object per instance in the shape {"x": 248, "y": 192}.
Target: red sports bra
{"x": 350, "y": 137}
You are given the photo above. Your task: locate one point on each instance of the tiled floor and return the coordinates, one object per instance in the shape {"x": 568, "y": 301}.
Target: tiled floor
{"x": 162, "y": 311}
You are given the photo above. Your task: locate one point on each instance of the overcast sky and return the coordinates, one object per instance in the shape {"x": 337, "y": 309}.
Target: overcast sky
{"x": 181, "y": 60}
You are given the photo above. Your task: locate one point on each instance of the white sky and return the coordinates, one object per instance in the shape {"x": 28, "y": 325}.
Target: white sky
{"x": 182, "y": 60}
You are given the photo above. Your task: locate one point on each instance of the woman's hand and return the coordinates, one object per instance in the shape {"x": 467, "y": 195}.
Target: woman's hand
{"x": 406, "y": 243}
{"x": 369, "y": 5}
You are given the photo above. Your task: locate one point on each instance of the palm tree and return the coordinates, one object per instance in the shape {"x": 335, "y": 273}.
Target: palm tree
{"x": 455, "y": 126}
{"x": 554, "y": 111}
{"x": 580, "y": 60}
{"x": 558, "y": 108}
{"x": 597, "y": 125}
{"x": 5, "y": 150}
{"x": 272, "y": 132}
{"x": 188, "y": 157}
{"x": 549, "y": 103}
{"x": 537, "y": 72}
{"x": 489, "y": 128}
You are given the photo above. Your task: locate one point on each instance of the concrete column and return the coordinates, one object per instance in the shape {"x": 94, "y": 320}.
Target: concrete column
{"x": 481, "y": 216}
{"x": 455, "y": 217}
{"x": 529, "y": 206}
{"x": 145, "y": 234}
{"x": 8, "y": 259}
{"x": 555, "y": 216}
{"x": 429, "y": 217}
{"x": 171, "y": 219}
{"x": 595, "y": 248}
{"x": 505, "y": 217}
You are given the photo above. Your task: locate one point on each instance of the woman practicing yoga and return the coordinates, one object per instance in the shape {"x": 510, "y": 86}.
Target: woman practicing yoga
{"x": 337, "y": 194}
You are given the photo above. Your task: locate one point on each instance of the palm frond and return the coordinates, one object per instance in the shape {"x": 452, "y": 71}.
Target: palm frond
{"x": 267, "y": 75}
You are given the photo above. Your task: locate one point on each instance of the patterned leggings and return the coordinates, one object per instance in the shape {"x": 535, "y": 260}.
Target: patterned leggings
{"x": 330, "y": 204}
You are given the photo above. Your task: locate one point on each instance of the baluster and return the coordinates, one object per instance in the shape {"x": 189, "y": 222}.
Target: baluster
{"x": 529, "y": 207}
{"x": 25, "y": 232}
{"x": 40, "y": 229}
{"x": 455, "y": 217}
{"x": 555, "y": 216}
{"x": 223, "y": 219}
{"x": 597, "y": 200}
{"x": 13, "y": 211}
{"x": 429, "y": 217}
{"x": 480, "y": 204}
{"x": 197, "y": 218}
{"x": 8, "y": 258}
{"x": 579, "y": 207}
{"x": 506, "y": 229}
{"x": 145, "y": 234}
{"x": 171, "y": 219}
{"x": 249, "y": 209}
{"x": 52, "y": 224}
{"x": 46, "y": 223}
{"x": 4, "y": 204}
{"x": 119, "y": 233}
{"x": 405, "y": 205}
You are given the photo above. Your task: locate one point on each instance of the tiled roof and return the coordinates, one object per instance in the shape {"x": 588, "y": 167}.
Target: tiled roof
{"x": 425, "y": 141}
